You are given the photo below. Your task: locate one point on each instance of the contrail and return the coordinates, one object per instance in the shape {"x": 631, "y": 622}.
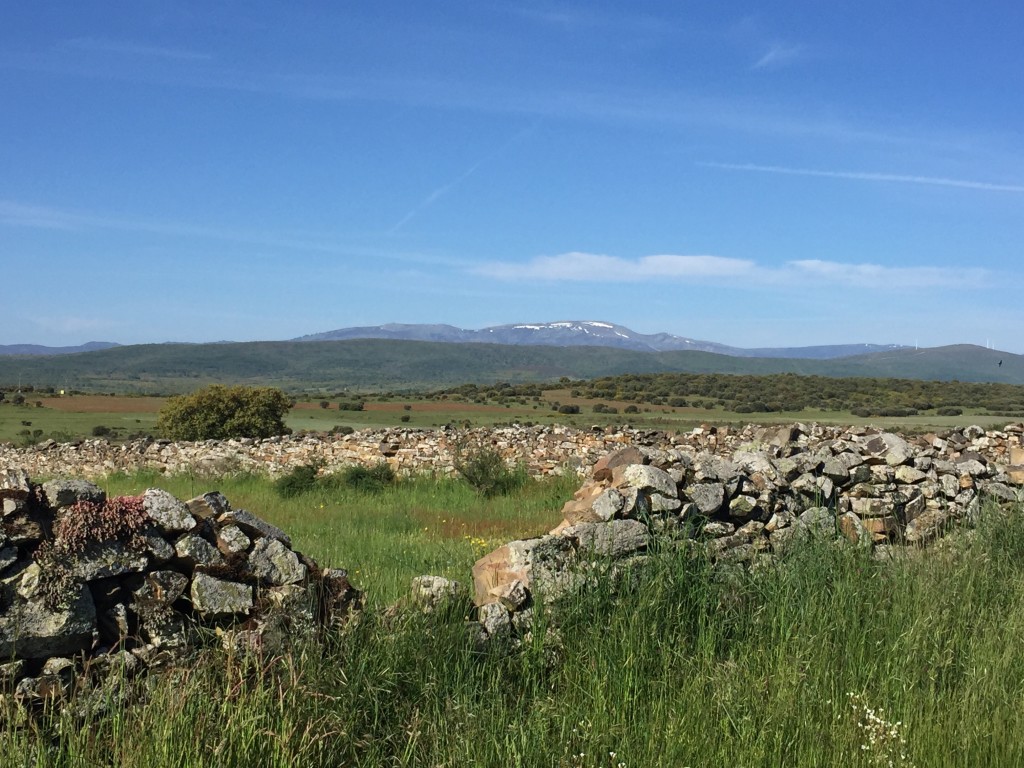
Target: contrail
{"x": 936, "y": 181}
{"x": 446, "y": 188}
{"x": 439, "y": 192}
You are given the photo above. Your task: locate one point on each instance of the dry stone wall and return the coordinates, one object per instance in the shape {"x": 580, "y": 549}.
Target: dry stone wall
{"x": 748, "y": 504}
{"x": 543, "y": 450}
{"x": 94, "y": 590}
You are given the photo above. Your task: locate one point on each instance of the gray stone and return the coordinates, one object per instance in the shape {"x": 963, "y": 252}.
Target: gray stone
{"x": 215, "y": 598}
{"x": 32, "y": 630}
{"x": 15, "y": 481}
{"x": 254, "y": 526}
{"x": 820, "y": 521}
{"x": 708, "y": 497}
{"x": 232, "y": 541}
{"x": 926, "y": 527}
{"x": 909, "y": 475}
{"x": 836, "y": 470}
{"x": 274, "y": 564}
{"x": 431, "y": 592}
{"x": 613, "y": 539}
{"x": 662, "y": 504}
{"x": 160, "y": 588}
{"x": 495, "y": 620}
{"x": 609, "y": 504}
{"x": 514, "y": 596}
{"x": 973, "y": 468}
{"x": 742, "y": 506}
{"x": 1000, "y": 492}
{"x": 718, "y": 528}
{"x": 157, "y": 547}
{"x": 209, "y": 505}
{"x": 650, "y": 479}
{"x": 167, "y": 512}
{"x": 784, "y": 540}
{"x": 64, "y": 492}
{"x": 101, "y": 560}
{"x": 197, "y": 551}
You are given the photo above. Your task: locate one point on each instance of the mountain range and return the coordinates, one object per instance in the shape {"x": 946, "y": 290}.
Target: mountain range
{"x": 586, "y": 333}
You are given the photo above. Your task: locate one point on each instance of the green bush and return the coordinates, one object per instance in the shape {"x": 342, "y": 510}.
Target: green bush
{"x": 300, "y": 480}
{"x": 217, "y": 412}
{"x": 485, "y": 470}
{"x": 371, "y": 479}
{"x": 950, "y": 410}
{"x": 101, "y": 430}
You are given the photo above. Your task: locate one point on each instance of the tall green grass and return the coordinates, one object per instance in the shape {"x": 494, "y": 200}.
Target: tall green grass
{"x": 687, "y": 665}
{"x": 421, "y": 525}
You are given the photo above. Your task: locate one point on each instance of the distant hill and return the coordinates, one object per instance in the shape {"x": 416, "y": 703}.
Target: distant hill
{"x": 383, "y": 364}
{"x": 588, "y": 333}
{"x": 38, "y": 349}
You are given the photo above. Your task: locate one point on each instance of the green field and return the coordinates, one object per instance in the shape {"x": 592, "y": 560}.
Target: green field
{"x": 65, "y": 419}
{"x": 830, "y": 659}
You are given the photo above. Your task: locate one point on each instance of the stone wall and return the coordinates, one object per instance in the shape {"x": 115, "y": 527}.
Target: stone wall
{"x": 95, "y": 590}
{"x": 748, "y": 503}
{"x": 543, "y": 450}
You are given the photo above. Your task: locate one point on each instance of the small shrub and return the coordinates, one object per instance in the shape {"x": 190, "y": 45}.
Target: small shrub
{"x": 325, "y": 404}
{"x": 341, "y": 429}
{"x": 302, "y": 479}
{"x": 486, "y": 471}
{"x": 369, "y": 479}
{"x": 405, "y": 418}
{"x": 950, "y": 410}
{"x": 568, "y": 409}
{"x": 101, "y": 430}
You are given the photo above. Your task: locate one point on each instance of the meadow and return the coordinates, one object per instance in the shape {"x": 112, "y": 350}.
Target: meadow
{"x": 832, "y": 658}
{"x": 119, "y": 417}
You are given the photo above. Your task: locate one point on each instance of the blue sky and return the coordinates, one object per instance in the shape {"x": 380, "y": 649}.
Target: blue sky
{"x": 749, "y": 173}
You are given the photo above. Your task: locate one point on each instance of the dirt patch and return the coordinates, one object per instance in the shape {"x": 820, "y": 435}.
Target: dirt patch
{"x": 102, "y": 404}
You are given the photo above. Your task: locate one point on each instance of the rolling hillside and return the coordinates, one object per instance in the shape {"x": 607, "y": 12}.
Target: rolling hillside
{"x": 370, "y": 364}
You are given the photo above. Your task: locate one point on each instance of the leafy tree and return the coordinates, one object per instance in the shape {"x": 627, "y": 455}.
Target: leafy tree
{"x": 217, "y": 412}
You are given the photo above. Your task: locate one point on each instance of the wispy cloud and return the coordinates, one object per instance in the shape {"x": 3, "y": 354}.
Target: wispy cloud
{"x": 777, "y": 56}
{"x": 17, "y": 214}
{"x": 127, "y": 48}
{"x": 590, "y": 267}
{"x": 740, "y": 273}
{"x": 880, "y": 276}
{"x": 938, "y": 181}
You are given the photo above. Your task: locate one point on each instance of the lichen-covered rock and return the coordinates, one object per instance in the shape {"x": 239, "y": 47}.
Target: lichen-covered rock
{"x": 495, "y": 619}
{"x": 30, "y": 629}
{"x": 614, "y": 539}
{"x": 197, "y": 551}
{"x": 929, "y": 525}
{"x": 431, "y": 592}
{"x": 254, "y": 526}
{"x": 166, "y": 511}
{"x": 232, "y": 541}
{"x": 709, "y": 497}
{"x": 100, "y": 560}
{"x": 274, "y": 564}
{"x": 649, "y": 479}
{"x": 216, "y": 598}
